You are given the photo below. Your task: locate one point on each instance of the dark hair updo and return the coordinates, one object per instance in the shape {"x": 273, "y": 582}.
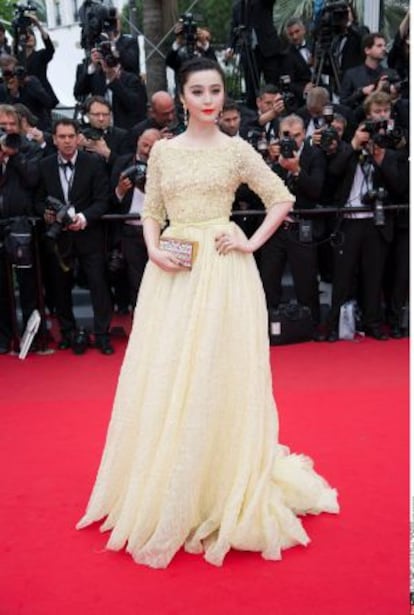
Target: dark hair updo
{"x": 196, "y": 65}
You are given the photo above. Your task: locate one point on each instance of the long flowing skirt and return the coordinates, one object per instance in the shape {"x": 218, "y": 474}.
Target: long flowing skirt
{"x": 192, "y": 455}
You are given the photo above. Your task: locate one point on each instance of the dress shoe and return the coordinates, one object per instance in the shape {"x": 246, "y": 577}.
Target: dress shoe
{"x": 376, "y": 333}
{"x": 65, "y": 343}
{"x": 81, "y": 342}
{"x": 396, "y": 332}
{"x": 103, "y": 344}
{"x": 318, "y": 336}
{"x": 332, "y": 336}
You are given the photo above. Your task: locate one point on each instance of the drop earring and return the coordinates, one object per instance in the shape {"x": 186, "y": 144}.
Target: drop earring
{"x": 185, "y": 110}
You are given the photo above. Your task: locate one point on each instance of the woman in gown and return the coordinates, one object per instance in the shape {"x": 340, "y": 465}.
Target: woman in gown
{"x": 192, "y": 456}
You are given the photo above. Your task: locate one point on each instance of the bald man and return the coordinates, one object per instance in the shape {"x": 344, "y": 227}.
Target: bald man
{"x": 161, "y": 115}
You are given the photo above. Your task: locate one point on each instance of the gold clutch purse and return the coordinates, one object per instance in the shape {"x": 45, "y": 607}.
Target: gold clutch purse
{"x": 182, "y": 249}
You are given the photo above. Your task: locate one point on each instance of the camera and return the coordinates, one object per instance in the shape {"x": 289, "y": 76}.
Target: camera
{"x": 383, "y": 133}
{"x": 64, "y": 217}
{"x": 189, "y": 32}
{"x": 108, "y": 52}
{"x": 376, "y": 199}
{"x": 288, "y": 145}
{"x": 12, "y": 141}
{"x": 94, "y": 19}
{"x": 288, "y": 96}
{"x": 329, "y": 135}
{"x": 90, "y": 132}
{"x": 332, "y": 21}
{"x": 137, "y": 174}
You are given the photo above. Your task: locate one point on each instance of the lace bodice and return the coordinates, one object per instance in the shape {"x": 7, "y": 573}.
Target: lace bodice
{"x": 187, "y": 185}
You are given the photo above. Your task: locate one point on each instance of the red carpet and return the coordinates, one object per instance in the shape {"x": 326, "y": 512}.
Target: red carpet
{"x": 344, "y": 404}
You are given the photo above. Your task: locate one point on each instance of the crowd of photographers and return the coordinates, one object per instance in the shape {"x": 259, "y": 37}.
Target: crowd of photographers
{"x": 325, "y": 110}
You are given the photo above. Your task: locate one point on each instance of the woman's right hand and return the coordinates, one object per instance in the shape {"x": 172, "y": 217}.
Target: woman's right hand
{"x": 165, "y": 261}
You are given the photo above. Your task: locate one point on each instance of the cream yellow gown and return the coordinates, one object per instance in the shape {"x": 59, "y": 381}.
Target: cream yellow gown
{"x": 192, "y": 455}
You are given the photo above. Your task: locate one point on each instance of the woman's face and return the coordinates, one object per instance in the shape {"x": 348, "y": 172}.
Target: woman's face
{"x": 203, "y": 95}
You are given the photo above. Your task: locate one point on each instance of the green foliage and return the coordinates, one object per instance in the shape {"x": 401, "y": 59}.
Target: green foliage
{"x": 212, "y": 14}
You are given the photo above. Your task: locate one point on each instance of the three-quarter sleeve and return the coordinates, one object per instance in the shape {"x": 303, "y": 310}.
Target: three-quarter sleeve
{"x": 153, "y": 201}
{"x": 260, "y": 178}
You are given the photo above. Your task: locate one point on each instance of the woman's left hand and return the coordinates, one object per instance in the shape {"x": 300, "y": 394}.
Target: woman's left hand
{"x": 226, "y": 242}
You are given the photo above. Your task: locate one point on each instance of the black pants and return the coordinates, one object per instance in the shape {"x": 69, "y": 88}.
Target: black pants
{"x": 88, "y": 248}
{"x": 135, "y": 253}
{"x": 26, "y": 281}
{"x": 362, "y": 252}
{"x": 397, "y": 276}
{"x": 284, "y": 247}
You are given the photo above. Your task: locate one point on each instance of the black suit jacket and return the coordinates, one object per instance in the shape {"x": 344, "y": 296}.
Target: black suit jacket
{"x": 307, "y": 186}
{"x": 34, "y": 96}
{"x": 296, "y": 67}
{"x": 123, "y": 162}
{"x": 129, "y": 96}
{"x": 391, "y": 175}
{"x": 89, "y": 191}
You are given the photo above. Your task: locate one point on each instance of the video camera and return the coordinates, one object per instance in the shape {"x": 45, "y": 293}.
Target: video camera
{"x": 64, "y": 216}
{"x": 94, "y": 19}
{"x": 288, "y": 145}
{"x": 333, "y": 20}
{"x": 21, "y": 20}
{"x": 189, "y": 32}
{"x": 137, "y": 174}
{"x": 329, "y": 134}
{"x": 376, "y": 199}
{"x": 383, "y": 133}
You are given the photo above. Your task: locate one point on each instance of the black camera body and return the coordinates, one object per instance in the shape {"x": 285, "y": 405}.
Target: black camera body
{"x": 13, "y": 140}
{"x": 63, "y": 217}
{"x": 329, "y": 135}
{"x": 288, "y": 145}
{"x": 108, "y": 52}
{"x": 92, "y": 133}
{"x": 285, "y": 89}
{"x": 137, "y": 174}
{"x": 95, "y": 18}
{"x": 383, "y": 133}
{"x": 376, "y": 199}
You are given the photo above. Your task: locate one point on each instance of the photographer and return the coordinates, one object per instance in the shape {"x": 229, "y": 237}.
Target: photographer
{"x": 18, "y": 177}
{"x": 18, "y": 87}
{"x": 312, "y": 112}
{"x": 103, "y": 75}
{"x": 302, "y": 167}
{"x": 360, "y": 81}
{"x": 270, "y": 107}
{"x": 190, "y": 40}
{"x": 347, "y": 44}
{"x": 98, "y": 136}
{"x": 4, "y": 44}
{"x": 128, "y": 181}
{"x": 72, "y": 196}
{"x": 36, "y": 61}
{"x": 368, "y": 172}
{"x": 399, "y": 54}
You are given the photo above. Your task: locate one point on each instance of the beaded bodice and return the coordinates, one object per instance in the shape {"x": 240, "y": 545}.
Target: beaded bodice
{"x": 188, "y": 185}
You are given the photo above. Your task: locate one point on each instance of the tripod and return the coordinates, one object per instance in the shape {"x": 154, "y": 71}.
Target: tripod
{"x": 246, "y": 66}
{"x": 327, "y": 61}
